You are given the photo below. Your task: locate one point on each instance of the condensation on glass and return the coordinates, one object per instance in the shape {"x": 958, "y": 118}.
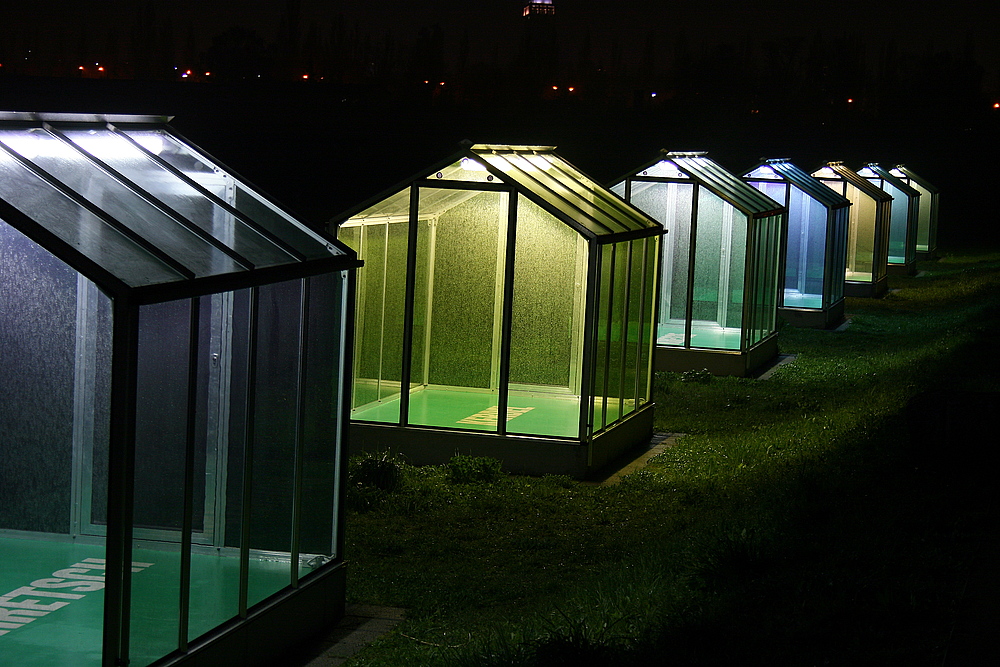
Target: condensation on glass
{"x": 503, "y": 284}
{"x": 720, "y": 258}
{"x": 171, "y": 415}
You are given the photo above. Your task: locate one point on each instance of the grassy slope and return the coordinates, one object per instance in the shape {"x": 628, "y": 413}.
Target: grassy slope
{"x": 837, "y": 513}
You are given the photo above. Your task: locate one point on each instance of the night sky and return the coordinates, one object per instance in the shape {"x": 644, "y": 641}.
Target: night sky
{"x": 322, "y": 153}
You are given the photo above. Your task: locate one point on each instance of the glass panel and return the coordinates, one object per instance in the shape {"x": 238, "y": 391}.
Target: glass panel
{"x": 275, "y": 436}
{"x": 161, "y": 437}
{"x": 50, "y": 587}
{"x": 201, "y": 170}
{"x": 547, "y": 195}
{"x": 923, "y": 216}
{"x": 836, "y": 254}
{"x": 720, "y": 246}
{"x": 78, "y": 227}
{"x": 618, "y": 389}
{"x": 321, "y": 432}
{"x": 460, "y": 269}
{"x": 125, "y": 206}
{"x": 647, "y": 339}
{"x": 632, "y": 392}
{"x": 546, "y": 332}
{"x": 898, "y": 224}
{"x": 129, "y": 160}
{"x": 602, "y": 347}
{"x": 378, "y": 318}
{"x": 861, "y": 236}
{"x": 672, "y": 205}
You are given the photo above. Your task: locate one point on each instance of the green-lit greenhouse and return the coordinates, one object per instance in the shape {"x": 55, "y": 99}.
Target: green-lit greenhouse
{"x": 867, "y": 230}
{"x": 903, "y": 218}
{"x": 815, "y": 243}
{"x": 172, "y": 348}
{"x": 927, "y": 217}
{"x": 720, "y": 264}
{"x": 505, "y": 309}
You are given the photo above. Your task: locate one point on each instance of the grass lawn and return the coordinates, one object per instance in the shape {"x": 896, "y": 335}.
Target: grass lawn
{"x": 841, "y": 512}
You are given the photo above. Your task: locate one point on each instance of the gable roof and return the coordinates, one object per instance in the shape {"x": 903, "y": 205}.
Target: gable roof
{"x": 536, "y": 172}
{"x": 695, "y": 166}
{"x": 141, "y": 211}
{"x": 814, "y": 188}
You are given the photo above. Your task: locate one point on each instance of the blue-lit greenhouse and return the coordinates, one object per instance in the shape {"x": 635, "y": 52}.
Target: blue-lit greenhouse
{"x": 721, "y": 270}
{"x": 815, "y": 242}
{"x": 927, "y": 217}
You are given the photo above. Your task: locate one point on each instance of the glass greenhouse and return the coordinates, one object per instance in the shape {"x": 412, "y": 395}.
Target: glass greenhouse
{"x": 927, "y": 217}
{"x": 721, "y": 264}
{"x": 172, "y": 352}
{"x": 815, "y": 243}
{"x": 903, "y": 218}
{"x": 505, "y": 309}
{"x": 867, "y": 230}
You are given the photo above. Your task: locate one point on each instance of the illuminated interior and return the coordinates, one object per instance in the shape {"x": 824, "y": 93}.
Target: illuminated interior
{"x": 816, "y": 237}
{"x": 491, "y": 287}
{"x": 927, "y": 216}
{"x": 719, "y": 264}
{"x": 868, "y": 223}
{"x": 903, "y": 216}
{"x": 153, "y": 489}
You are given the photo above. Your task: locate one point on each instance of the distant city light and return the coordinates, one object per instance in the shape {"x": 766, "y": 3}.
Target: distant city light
{"x": 571, "y": 89}
{"x": 850, "y": 100}
{"x": 305, "y": 77}
{"x": 996, "y": 105}
{"x": 555, "y": 87}
{"x": 652, "y": 94}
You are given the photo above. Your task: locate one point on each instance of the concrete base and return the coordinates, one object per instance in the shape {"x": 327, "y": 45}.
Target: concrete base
{"x": 908, "y": 269}
{"x": 718, "y": 362}
{"x": 518, "y": 454}
{"x": 274, "y": 628}
{"x": 874, "y": 290}
{"x": 814, "y": 318}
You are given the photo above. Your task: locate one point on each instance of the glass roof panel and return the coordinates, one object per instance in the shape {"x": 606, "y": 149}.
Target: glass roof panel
{"x": 133, "y": 162}
{"x": 395, "y": 208}
{"x": 127, "y": 207}
{"x": 584, "y": 187}
{"x": 782, "y": 169}
{"x": 205, "y": 173}
{"x": 79, "y": 228}
{"x": 533, "y": 185}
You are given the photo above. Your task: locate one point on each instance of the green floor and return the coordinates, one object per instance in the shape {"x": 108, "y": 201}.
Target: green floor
{"x": 530, "y": 413}
{"x": 706, "y": 335}
{"x": 796, "y": 299}
{"x": 70, "y": 635}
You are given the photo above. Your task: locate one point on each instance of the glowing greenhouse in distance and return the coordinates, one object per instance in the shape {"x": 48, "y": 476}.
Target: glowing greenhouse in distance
{"x": 867, "y": 229}
{"x": 720, "y": 264}
{"x": 815, "y": 243}
{"x": 505, "y": 309}
{"x": 903, "y": 218}
{"x": 927, "y": 217}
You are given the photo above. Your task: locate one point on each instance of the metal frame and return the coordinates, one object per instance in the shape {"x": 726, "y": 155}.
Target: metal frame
{"x": 126, "y": 302}
{"x": 562, "y": 192}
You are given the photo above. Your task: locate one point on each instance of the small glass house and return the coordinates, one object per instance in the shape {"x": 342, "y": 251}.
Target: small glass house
{"x": 903, "y": 218}
{"x": 815, "y": 243}
{"x": 171, "y": 406}
{"x": 721, "y": 264}
{"x": 867, "y": 230}
{"x": 505, "y": 309}
{"x": 927, "y": 217}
